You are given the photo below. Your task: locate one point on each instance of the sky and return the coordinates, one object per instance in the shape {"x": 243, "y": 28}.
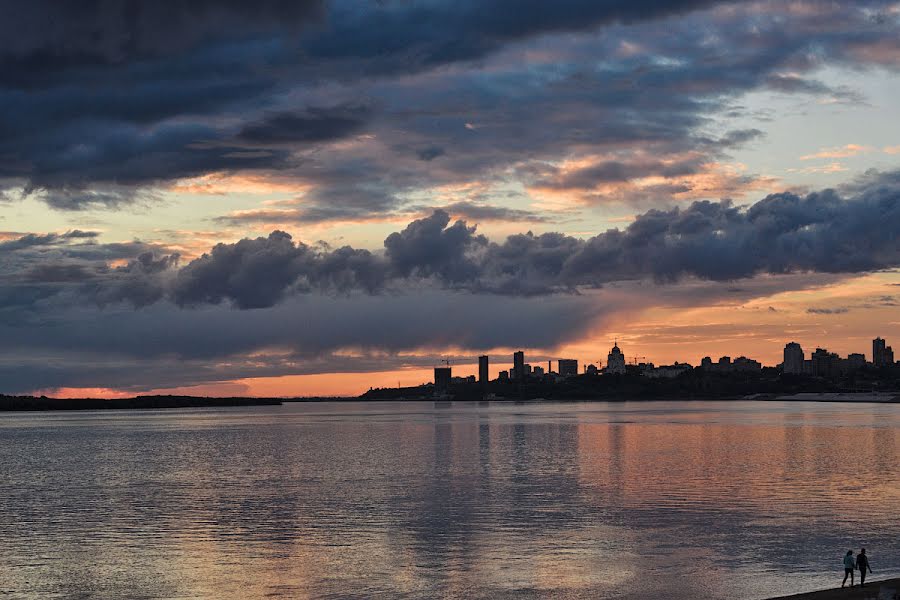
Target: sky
{"x": 315, "y": 197}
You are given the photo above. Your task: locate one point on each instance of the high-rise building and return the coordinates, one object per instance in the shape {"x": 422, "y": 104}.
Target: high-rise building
{"x": 538, "y": 371}
{"x": 615, "y": 362}
{"x": 568, "y": 366}
{"x": 793, "y": 358}
{"x": 519, "y": 365}
{"x": 484, "y": 374}
{"x": 878, "y": 348}
{"x": 442, "y": 378}
{"x": 888, "y": 356}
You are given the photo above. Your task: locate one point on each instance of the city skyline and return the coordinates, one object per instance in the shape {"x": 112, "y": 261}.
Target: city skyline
{"x": 882, "y": 355}
{"x": 307, "y": 198}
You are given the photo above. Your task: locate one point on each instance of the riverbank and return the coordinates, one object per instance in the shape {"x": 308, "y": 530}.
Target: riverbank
{"x": 889, "y": 589}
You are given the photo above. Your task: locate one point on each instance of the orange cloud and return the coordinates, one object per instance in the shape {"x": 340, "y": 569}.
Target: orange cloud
{"x": 838, "y": 152}
{"x": 834, "y": 167}
{"x": 220, "y": 183}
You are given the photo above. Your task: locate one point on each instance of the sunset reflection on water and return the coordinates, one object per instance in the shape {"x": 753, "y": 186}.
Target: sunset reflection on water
{"x": 632, "y": 500}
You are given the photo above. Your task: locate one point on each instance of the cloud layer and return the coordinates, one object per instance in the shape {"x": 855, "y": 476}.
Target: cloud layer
{"x": 824, "y": 232}
{"x": 210, "y": 122}
{"x": 365, "y": 106}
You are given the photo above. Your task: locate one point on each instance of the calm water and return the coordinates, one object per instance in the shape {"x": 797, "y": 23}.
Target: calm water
{"x": 429, "y": 500}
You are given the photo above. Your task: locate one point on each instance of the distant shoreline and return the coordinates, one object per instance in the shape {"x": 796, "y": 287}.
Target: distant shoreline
{"x": 43, "y": 403}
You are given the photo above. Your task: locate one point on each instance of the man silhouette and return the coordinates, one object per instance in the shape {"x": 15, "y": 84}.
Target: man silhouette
{"x": 849, "y": 565}
{"x": 862, "y": 563}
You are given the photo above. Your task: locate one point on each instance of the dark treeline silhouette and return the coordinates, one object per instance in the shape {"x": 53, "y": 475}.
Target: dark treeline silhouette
{"x": 40, "y": 403}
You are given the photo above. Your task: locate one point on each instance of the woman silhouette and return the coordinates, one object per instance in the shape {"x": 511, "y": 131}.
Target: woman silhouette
{"x": 849, "y": 565}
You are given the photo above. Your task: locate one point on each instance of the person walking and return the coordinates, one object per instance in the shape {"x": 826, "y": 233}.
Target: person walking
{"x": 849, "y": 565}
{"x": 862, "y": 563}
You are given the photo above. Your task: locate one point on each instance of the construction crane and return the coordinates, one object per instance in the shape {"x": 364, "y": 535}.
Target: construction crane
{"x": 634, "y": 359}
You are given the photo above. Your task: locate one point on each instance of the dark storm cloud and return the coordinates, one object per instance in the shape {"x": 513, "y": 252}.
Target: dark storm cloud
{"x": 116, "y": 160}
{"x": 106, "y": 100}
{"x": 163, "y": 346}
{"x": 431, "y": 247}
{"x": 44, "y": 273}
{"x": 96, "y": 85}
{"x": 48, "y": 35}
{"x": 828, "y": 311}
{"x": 430, "y": 153}
{"x": 314, "y": 124}
{"x": 480, "y": 212}
{"x": 258, "y": 273}
{"x": 31, "y": 240}
{"x": 403, "y": 34}
{"x": 58, "y": 273}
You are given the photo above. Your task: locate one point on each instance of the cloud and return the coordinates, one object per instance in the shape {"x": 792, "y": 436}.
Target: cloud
{"x": 113, "y": 104}
{"x": 822, "y": 232}
{"x": 833, "y": 167}
{"x": 51, "y": 36}
{"x": 32, "y": 240}
{"x": 255, "y": 273}
{"x": 430, "y": 247}
{"x": 480, "y": 212}
{"x": 828, "y": 311}
{"x": 430, "y": 153}
{"x": 838, "y": 152}
{"x": 314, "y": 124}
{"x": 163, "y": 345}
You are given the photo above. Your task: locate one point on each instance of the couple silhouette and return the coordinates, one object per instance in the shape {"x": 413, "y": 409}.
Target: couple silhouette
{"x": 861, "y": 562}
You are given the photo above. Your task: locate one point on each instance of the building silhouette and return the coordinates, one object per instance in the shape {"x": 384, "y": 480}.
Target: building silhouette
{"x": 742, "y": 363}
{"x": 615, "y": 362}
{"x": 793, "y": 359}
{"x": 518, "y": 366}
{"x": 878, "y": 348}
{"x": 882, "y": 354}
{"x": 825, "y": 363}
{"x": 855, "y": 361}
{"x": 442, "y": 377}
{"x": 484, "y": 374}
{"x": 568, "y": 366}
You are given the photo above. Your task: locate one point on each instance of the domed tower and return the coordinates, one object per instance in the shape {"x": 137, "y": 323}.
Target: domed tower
{"x": 615, "y": 361}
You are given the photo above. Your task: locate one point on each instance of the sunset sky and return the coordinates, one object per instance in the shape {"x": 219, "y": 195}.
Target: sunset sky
{"x": 314, "y": 197}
